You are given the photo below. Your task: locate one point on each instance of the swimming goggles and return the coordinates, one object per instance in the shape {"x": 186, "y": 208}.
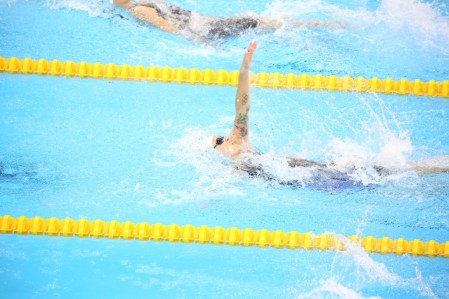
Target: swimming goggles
{"x": 219, "y": 141}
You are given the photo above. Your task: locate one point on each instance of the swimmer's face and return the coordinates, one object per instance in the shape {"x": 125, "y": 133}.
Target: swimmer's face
{"x": 226, "y": 145}
{"x": 221, "y": 142}
{"x": 217, "y": 141}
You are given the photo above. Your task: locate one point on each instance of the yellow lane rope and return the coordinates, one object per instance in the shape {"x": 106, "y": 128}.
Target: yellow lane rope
{"x": 221, "y": 77}
{"x": 233, "y": 236}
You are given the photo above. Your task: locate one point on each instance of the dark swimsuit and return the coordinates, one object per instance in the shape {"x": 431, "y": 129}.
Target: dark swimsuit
{"x": 231, "y": 26}
{"x": 321, "y": 176}
{"x": 214, "y": 28}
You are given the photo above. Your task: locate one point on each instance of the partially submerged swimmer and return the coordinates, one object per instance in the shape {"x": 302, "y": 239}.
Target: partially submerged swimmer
{"x": 173, "y": 19}
{"x": 237, "y": 147}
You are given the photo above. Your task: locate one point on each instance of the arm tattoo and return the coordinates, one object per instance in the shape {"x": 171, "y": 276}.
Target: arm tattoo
{"x": 242, "y": 118}
{"x": 244, "y": 99}
{"x": 243, "y": 131}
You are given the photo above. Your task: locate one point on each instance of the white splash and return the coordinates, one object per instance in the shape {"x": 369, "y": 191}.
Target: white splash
{"x": 422, "y": 18}
{"x": 93, "y": 8}
{"x": 420, "y": 21}
{"x": 366, "y": 267}
{"x": 216, "y": 176}
{"x": 383, "y": 144}
{"x": 330, "y": 288}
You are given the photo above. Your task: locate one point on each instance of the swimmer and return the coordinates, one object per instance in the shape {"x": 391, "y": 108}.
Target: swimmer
{"x": 173, "y": 19}
{"x": 237, "y": 146}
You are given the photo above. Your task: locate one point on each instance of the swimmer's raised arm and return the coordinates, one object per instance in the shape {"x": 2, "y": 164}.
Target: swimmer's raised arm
{"x": 146, "y": 14}
{"x": 237, "y": 141}
{"x": 242, "y": 98}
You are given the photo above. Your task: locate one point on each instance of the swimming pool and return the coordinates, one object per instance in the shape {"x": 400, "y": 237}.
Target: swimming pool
{"x": 137, "y": 151}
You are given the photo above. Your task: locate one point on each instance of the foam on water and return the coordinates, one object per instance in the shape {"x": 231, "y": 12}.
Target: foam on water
{"x": 215, "y": 177}
{"x": 359, "y": 136}
{"x": 423, "y": 19}
{"x": 329, "y": 288}
{"x": 384, "y": 144}
{"x": 93, "y": 8}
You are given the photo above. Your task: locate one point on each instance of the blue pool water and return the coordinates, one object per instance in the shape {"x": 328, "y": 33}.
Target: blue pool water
{"x": 139, "y": 151}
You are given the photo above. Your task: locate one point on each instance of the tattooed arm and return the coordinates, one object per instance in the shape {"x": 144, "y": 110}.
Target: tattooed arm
{"x": 242, "y": 98}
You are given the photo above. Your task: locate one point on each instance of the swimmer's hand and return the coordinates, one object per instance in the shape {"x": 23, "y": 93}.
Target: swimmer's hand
{"x": 249, "y": 54}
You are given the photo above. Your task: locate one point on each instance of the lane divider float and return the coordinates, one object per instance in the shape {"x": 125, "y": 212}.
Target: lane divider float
{"x": 233, "y": 236}
{"x": 221, "y": 77}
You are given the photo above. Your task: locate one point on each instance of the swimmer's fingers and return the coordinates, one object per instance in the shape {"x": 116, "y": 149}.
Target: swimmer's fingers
{"x": 251, "y": 47}
{"x": 248, "y": 55}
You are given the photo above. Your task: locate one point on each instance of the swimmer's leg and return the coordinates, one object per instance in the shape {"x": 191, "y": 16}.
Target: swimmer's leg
{"x": 334, "y": 24}
{"x": 431, "y": 165}
{"x": 273, "y": 24}
{"x": 317, "y": 24}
